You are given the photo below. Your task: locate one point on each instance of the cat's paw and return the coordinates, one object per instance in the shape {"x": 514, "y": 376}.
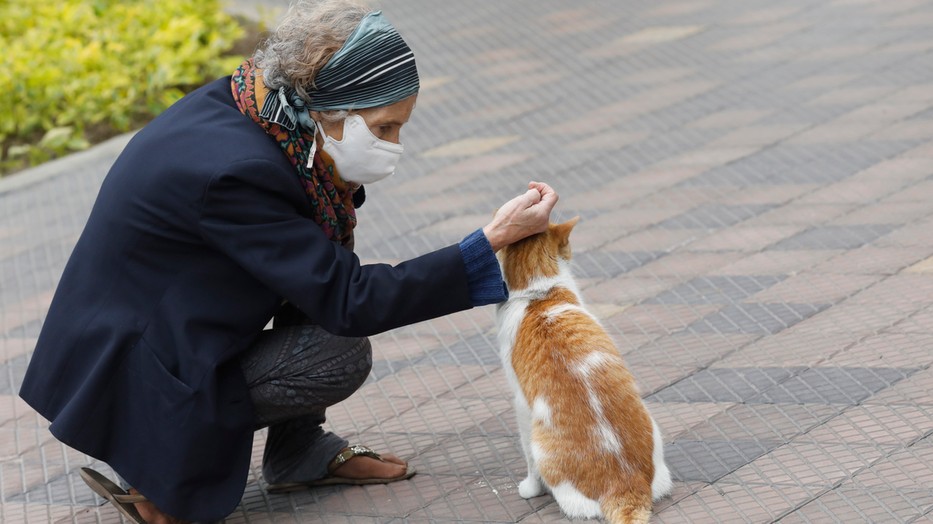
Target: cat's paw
{"x": 530, "y": 487}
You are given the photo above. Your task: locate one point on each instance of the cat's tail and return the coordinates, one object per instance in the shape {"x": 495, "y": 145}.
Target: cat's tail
{"x": 627, "y": 507}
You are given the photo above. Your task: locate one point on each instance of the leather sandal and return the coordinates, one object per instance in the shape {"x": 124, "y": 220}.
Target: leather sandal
{"x": 116, "y": 495}
{"x": 331, "y": 479}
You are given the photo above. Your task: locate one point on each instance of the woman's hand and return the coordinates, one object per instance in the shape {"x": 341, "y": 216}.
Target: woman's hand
{"x": 522, "y": 216}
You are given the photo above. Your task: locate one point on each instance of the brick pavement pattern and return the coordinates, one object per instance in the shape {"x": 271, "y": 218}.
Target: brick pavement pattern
{"x": 756, "y": 185}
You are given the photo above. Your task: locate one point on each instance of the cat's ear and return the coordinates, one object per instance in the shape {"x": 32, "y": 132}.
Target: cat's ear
{"x": 563, "y": 231}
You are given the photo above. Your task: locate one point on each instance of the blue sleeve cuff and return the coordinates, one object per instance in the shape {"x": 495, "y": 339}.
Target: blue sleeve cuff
{"x": 483, "y": 274}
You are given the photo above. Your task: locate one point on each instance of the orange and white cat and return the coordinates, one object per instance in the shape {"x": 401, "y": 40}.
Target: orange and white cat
{"x": 587, "y": 436}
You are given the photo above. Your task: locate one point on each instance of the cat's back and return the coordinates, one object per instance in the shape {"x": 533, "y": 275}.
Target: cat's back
{"x": 577, "y": 384}
{"x": 556, "y": 334}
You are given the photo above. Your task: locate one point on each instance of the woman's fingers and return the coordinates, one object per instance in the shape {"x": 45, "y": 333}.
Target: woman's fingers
{"x": 524, "y": 215}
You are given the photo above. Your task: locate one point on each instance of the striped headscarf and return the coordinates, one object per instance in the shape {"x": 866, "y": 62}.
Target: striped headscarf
{"x": 373, "y": 68}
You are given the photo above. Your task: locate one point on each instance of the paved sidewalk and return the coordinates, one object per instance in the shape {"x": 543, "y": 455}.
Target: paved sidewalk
{"x": 756, "y": 185}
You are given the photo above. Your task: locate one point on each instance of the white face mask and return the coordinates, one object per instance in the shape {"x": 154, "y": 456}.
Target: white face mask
{"x": 360, "y": 157}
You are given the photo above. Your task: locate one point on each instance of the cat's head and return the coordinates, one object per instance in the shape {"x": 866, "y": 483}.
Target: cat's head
{"x": 537, "y": 256}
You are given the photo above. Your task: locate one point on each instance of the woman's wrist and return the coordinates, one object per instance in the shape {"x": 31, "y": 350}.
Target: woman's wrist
{"x": 495, "y": 239}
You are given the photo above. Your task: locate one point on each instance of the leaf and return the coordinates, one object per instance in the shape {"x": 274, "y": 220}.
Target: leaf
{"x": 56, "y": 137}
{"x": 18, "y": 151}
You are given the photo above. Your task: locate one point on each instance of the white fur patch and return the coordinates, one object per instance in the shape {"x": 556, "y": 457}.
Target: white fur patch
{"x": 536, "y": 452}
{"x": 605, "y": 434}
{"x": 510, "y": 316}
{"x": 555, "y": 312}
{"x": 574, "y": 504}
{"x": 539, "y": 287}
{"x": 541, "y": 411}
{"x": 608, "y": 440}
{"x": 593, "y": 360}
{"x": 661, "y": 484}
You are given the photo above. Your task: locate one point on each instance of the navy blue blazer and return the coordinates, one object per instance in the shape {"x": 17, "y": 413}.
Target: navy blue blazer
{"x": 201, "y": 229}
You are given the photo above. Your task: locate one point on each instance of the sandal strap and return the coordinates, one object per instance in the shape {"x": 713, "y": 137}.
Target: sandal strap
{"x": 355, "y": 450}
{"x": 129, "y": 498}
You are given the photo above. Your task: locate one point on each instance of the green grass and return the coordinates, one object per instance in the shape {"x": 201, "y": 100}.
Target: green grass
{"x": 75, "y": 72}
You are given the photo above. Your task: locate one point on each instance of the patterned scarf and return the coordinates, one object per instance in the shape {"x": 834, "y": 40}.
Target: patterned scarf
{"x": 331, "y": 198}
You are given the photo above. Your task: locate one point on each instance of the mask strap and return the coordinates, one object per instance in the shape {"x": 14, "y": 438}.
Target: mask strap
{"x": 320, "y": 129}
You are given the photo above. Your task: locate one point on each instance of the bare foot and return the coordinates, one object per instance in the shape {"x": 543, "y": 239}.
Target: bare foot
{"x": 362, "y": 467}
{"x": 151, "y": 514}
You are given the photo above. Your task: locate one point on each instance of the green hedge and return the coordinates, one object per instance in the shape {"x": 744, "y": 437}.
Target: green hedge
{"x": 76, "y": 71}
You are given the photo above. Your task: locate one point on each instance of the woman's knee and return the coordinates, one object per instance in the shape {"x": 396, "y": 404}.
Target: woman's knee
{"x": 359, "y": 363}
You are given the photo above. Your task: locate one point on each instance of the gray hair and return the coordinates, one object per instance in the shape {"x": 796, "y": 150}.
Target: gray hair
{"x": 308, "y": 36}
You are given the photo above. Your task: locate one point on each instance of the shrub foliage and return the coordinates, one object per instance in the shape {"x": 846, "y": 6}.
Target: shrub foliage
{"x": 76, "y": 71}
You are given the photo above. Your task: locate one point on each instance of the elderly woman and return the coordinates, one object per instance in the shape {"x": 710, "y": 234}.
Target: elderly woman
{"x": 234, "y": 207}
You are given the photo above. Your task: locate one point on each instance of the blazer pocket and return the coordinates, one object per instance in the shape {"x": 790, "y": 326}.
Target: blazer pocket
{"x": 161, "y": 391}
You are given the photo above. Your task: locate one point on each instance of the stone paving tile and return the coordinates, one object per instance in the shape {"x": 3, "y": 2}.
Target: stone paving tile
{"x": 478, "y": 319}
{"x": 886, "y": 212}
{"x": 681, "y": 198}
{"x": 376, "y": 503}
{"x": 453, "y": 415}
{"x": 687, "y": 350}
{"x": 919, "y": 322}
{"x": 400, "y": 345}
{"x": 600, "y": 264}
{"x": 676, "y": 419}
{"x": 428, "y": 381}
{"x": 834, "y": 237}
{"x": 655, "y": 239}
{"x": 811, "y": 287}
{"x": 687, "y": 264}
{"x": 916, "y": 193}
{"x": 916, "y": 390}
{"x": 651, "y": 378}
{"x": 778, "y": 262}
{"x": 490, "y": 499}
{"x": 793, "y": 347}
{"x": 741, "y": 238}
{"x": 741, "y": 502}
{"x": 854, "y": 318}
{"x": 755, "y": 318}
{"x": 873, "y": 425}
{"x": 715, "y": 290}
{"x": 476, "y": 455}
{"x": 477, "y": 350}
{"x": 458, "y": 174}
{"x": 368, "y": 407}
{"x": 712, "y": 216}
{"x": 811, "y": 465}
{"x": 629, "y": 219}
{"x": 762, "y": 422}
{"x": 872, "y": 260}
{"x": 724, "y": 384}
{"x": 859, "y": 505}
{"x": 761, "y": 135}
{"x": 833, "y": 385}
{"x": 805, "y": 215}
{"x": 662, "y": 319}
{"x": 908, "y": 288}
{"x": 627, "y": 289}
{"x": 924, "y": 266}
{"x": 902, "y": 350}
{"x": 710, "y": 460}
{"x": 906, "y": 470}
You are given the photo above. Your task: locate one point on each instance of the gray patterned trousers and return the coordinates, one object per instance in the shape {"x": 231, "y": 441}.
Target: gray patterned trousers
{"x": 296, "y": 371}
